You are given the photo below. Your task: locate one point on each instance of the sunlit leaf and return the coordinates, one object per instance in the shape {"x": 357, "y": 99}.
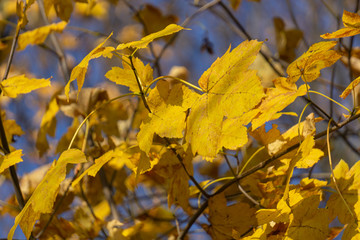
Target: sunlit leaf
{"x": 10, "y": 160}
{"x": 170, "y": 29}
{"x": 14, "y": 86}
{"x": 308, "y": 65}
{"x": 168, "y": 113}
{"x": 351, "y": 22}
{"x": 348, "y": 182}
{"x": 39, "y": 35}
{"x": 126, "y": 75}
{"x": 42, "y": 199}
{"x": 231, "y": 90}
{"x": 308, "y": 221}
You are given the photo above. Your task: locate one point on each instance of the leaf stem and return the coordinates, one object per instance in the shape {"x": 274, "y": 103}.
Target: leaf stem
{"x": 94, "y": 111}
{"x": 311, "y": 91}
{"x": 175, "y": 78}
{"x": 139, "y": 84}
{"x": 332, "y": 171}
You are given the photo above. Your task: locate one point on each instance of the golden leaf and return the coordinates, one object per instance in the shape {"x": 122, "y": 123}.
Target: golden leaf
{"x": 231, "y": 90}
{"x": 10, "y": 160}
{"x": 351, "y": 22}
{"x": 350, "y": 88}
{"x": 170, "y": 29}
{"x": 308, "y": 65}
{"x": 39, "y": 35}
{"x": 14, "y": 86}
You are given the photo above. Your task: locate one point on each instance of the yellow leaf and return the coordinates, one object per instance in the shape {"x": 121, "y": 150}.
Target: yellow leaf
{"x": 224, "y": 219}
{"x": 280, "y": 214}
{"x": 39, "y": 35}
{"x": 277, "y": 99}
{"x": 42, "y": 199}
{"x": 348, "y": 182}
{"x": 170, "y": 29}
{"x": 308, "y": 221}
{"x": 99, "y": 162}
{"x": 308, "y": 65}
{"x": 231, "y": 90}
{"x": 168, "y": 115}
{"x": 10, "y": 160}
{"x": 14, "y": 86}
{"x": 351, "y": 22}
{"x": 350, "y": 88}
{"x": 126, "y": 76}
{"x": 79, "y": 71}
{"x": 310, "y": 155}
{"x": 12, "y": 129}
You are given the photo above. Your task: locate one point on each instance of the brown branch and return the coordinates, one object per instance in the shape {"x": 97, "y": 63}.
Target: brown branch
{"x": 5, "y": 144}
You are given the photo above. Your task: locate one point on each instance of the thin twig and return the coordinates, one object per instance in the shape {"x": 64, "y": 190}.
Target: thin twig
{"x": 293, "y": 18}
{"x": 193, "y": 219}
{"x": 239, "y": 25}
{"x": 90, "y": 207}
{"x": 184, "y": 24}
{"x": 238, "y": 184}
{"x": 60, "y": 53}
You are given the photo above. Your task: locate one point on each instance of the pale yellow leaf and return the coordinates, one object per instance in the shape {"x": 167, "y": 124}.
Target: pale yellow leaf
{"x": 14, "y": 86}
{"x": 170, "y": 29}
{"x": 39, "y": 35}
{"x": 10, "y": 159}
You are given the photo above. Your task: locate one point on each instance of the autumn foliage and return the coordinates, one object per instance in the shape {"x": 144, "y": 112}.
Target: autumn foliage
{"x": 147, "y": 161}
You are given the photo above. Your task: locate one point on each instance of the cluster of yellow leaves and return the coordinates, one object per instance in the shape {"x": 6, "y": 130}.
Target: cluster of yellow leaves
{"x": 231, "y": 99}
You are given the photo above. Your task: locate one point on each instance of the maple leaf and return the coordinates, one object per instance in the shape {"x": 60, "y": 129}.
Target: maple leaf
{"x": 231, "y": 90}
{"x": 125, "y": 76}
{"x": 10, "y": 159}
{"x": 168, "y": 115}
{"x": 308, "y": 221}
{"x": 79, "y": 71}
{"x": 170, "y": 29}
{"x": 351, "y": 22}
{"x": 42, "y": 199}
{"x": 308, "y": 65}
{"x": 349, "y": 184}
{"x": 225, "y": 219}
{"x": 14, "y": 86}
{"x": 276, "y": 100}
{"x": 39, "y": 35}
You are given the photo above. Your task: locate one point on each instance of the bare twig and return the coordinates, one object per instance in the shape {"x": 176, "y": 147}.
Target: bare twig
{"x": 60, "y": 53}
{"x": 293, "y": 18}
